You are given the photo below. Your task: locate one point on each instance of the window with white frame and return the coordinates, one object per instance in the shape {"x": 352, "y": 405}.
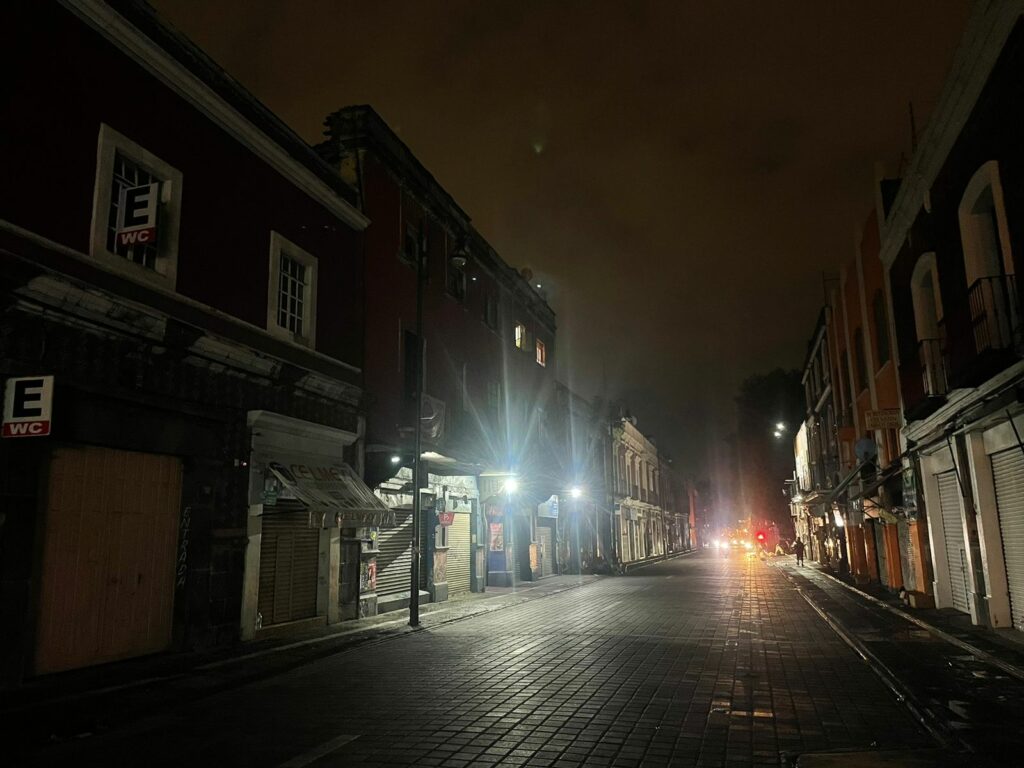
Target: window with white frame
{"x": 542, "y": 353}
{"x": 136, "y": 211}
{"x": 291, "y": 296}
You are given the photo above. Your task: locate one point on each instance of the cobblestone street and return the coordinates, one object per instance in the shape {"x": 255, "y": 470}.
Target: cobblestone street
{"x": 695, "y": 661}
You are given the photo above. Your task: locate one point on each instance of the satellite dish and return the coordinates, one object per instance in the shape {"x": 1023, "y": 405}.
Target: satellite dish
{"x": 866, "y": 449}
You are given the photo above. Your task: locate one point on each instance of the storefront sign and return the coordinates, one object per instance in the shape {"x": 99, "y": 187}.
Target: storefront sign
{"x": 888, "y": 418}
{"x": 549, "y": 508}
{"x": 27, "y": 406}
{"x": 136, "y": 214}
{"x": 445, "y": 518}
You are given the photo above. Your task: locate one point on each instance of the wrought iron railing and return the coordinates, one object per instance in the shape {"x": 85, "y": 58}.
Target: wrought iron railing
{"x": 932, "y": 357}
{"x": 994, "y": 312}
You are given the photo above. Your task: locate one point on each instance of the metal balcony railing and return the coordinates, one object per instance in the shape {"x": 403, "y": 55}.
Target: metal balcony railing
{"x": 932, "y": 357}
{"x": 994, "y": 312}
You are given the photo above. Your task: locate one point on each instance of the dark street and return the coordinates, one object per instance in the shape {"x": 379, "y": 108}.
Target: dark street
{"x": 700, "y": 660}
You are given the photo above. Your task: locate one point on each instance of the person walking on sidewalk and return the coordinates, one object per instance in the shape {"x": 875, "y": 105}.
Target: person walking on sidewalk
{"x": 798, "y": 548}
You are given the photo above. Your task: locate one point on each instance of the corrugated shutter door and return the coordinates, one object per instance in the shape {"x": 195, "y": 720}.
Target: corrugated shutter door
{"x": 1008, "y": 473}
{"x": 458, "y": 555}
{"x": 883, "y": 569}
{"x": 395, "y": 557}
{"x": 953, "y": 530}
{"x": 906, "y": 556}
{"x": 289, "y": 559}
{"x": 547, "y": 543}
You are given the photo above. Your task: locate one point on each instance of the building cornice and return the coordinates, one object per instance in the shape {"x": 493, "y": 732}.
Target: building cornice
{"x": 171, "y": 72}
{"x": 989, "y": 26}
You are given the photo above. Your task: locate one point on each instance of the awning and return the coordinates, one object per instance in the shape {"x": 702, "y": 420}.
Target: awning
{"x": 336, "y": 493}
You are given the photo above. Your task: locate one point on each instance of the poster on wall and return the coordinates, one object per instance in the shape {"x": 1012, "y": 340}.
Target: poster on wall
{"x": 497, "y": 537}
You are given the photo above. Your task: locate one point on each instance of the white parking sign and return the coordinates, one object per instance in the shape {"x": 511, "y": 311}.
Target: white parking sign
{"x": 27, "y": 405}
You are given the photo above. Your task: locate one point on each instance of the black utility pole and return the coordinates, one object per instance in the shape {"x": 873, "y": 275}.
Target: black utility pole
{"x": 417, "y": 468}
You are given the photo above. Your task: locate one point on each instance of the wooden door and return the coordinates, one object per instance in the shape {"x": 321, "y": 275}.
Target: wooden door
{"x": 111, "y": 537}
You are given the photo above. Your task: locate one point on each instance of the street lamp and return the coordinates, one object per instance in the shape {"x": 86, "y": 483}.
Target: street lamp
{"x": 781, "y": 426}
{"x": 511, "y": 485}
{"x": 576, "y": 492}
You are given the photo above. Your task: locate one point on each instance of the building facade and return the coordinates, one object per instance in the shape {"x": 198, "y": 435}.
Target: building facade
{"x": 950, "y": 240}
{"x": 190, "y": 276}
{"x": 638, "y": 520}
{"x": 487, "y": 354}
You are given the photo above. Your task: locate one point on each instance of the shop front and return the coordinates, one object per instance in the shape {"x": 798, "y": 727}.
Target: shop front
{"x": 307, "y": 508}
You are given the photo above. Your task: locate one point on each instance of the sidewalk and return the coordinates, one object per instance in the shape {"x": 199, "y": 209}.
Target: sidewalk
{"x": 69, "y": 704}
{"x": 966, "y": 689}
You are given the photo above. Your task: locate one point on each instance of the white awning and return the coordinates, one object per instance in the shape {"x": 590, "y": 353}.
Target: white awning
{"x": 335, "y": 492}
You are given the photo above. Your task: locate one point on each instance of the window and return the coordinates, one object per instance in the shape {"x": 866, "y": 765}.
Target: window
{"x": 881, "y": 328}
{"x": 983, "y": 227}
{"x": 441, "y": 536}
{"x": 491, "y": 310}
{"x": 456, "y": 282}
{"x": 291, "y": 298}
{"x": 858, "y": 360}
{"x": 494, "y": 398}
{"x": 542, "y": 353}
{"x": 136, "y": 211}
{"x": 411, "y": 244}
{"x": 520, "y": 336}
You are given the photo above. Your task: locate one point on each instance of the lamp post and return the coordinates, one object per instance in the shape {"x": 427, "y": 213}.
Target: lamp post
{"x": 417, "y": 461}
{"x": 576, "y": 493}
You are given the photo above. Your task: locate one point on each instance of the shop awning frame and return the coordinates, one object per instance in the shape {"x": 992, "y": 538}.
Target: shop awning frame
{"x": 338, "y": 494}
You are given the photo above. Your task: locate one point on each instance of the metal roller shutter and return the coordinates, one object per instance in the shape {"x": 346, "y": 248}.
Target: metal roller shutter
{"x": 881, "y": 554}
{"x": 458, "y": 555}
{"x": 547, "y": 550}
{"x": 953, "y": 531}
{"x": 289, "y": 559}
{"x": 394, "y": 558}
{"x": 907, "y": 556}
{"x": 1008, "y": 473}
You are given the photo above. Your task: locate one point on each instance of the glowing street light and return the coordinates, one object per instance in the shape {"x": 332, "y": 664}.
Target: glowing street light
{"x": 781, "y": 426}
{"x": 576, "y": 492}
{"x": 511, "y": 485}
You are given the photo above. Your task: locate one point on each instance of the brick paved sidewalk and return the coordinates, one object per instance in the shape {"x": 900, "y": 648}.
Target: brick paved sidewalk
{"x": 72, "y": 703}
{"x": 699, "y": 661}
{"x": 974, "y": 704}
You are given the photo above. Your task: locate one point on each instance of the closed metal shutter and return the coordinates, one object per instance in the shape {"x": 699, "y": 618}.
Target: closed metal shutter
{"x": 883, "y": 560}
{"x": 907, "y": 556}
{"x": 1008, "y": 473}
{"x": 289, "y": 559}
{"x": 953, "y": 531}
{"x": 459, "y": 554}
{"x": 547, "y": 550}
{"x": 395, "y": 556}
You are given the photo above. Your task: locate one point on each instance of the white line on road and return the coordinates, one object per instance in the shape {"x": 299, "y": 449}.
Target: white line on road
{"x": 319, "y": 751}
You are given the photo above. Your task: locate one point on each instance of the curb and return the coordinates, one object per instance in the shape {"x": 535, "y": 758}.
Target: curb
{"x": 349, "y": 639}
{"x": 1010, "y": 669}
{"x": 931, "y": 722}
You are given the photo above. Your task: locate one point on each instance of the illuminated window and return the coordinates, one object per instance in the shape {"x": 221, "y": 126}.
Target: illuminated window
{"x": 291, "y": 297}
{"x": 136, "y": 212}
{"x": 542, "y": 353}
{"x": 520, "y": 336}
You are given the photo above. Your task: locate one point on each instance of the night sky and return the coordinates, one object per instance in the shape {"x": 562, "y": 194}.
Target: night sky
{"x": 678, "y": 174}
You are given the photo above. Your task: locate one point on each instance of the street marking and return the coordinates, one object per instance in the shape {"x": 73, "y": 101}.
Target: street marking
{"x": 319, "y": 751}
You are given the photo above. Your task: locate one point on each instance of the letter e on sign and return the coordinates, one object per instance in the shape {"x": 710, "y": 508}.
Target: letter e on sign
{"x": 136, "y": 214}
{"x": 27, "y": 405}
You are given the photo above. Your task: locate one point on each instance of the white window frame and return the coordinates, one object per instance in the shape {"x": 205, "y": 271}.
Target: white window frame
{"x": 165, "y": 274}
{"x": 985, "y": 180}
{"x": 279, "y": 245}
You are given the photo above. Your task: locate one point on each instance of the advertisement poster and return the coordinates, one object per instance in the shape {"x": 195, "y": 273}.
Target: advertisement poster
{"x": 497, "y": 537}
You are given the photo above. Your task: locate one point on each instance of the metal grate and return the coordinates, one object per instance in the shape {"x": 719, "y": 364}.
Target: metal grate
{"x": 291, "y": 295}
{"x": 127, "y": 175}
{"x": 1008, "y": 474}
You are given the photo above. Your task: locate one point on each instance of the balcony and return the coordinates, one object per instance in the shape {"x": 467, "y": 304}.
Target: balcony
{"x": 931, "y": 355}
{"x": 994, "y": 312}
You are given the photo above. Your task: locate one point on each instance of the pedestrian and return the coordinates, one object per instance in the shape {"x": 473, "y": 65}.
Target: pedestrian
{"x": 798, "y": 548}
